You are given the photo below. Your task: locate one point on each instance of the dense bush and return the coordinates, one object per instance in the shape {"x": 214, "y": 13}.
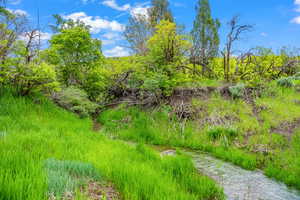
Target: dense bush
{"x": 75, "y": 100}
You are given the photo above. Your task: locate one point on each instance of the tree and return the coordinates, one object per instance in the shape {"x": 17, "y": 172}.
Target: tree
{"x": 205, "y": 36}
{"x": 34, "y": 77}
{"x": 166, "y": 47}
{"x": 234, "y": 35}
{"x": 63, "y": 24}
{"x": 159, "y": 11}
{"x": 137, "y": 33}
{"x": 11, "y": 27}
{"x": 75, "y": 53}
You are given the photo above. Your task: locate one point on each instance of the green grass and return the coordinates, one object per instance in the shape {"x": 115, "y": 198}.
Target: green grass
{"x": 66, "y": 176}
{"x": 156, "y": 127}
{"x": 44, "y": 147}
{"x": 227, "y": 129}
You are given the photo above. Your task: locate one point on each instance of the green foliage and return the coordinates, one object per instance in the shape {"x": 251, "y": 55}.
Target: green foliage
{"x": 75, "y": 53}
{"x": 166, "y": 47}
{"x": 36, "y": 77}
{"x": 76, "y": 100}
{"x": 158, "y": 12}
{"x": 205, "y": 36}
{"x": 29, "y": 78}
{"x": 160, "y": 128}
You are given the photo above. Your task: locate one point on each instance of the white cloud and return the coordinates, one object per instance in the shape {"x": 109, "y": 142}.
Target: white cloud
{"x": 113, "y": 4}
{"x": 139, "y": 10}
{"x": 45, "y": 36}
{"x": 111, "y": 35}
{"x": 116, "y": 52}
{"x": 264, "y": 34}
{"x": 107, "y": 42}
{"x": 296, "y": 20}
{"x": 96, "y": 23}
{"x": 18, "y": 12}
{"x": 110, "y": 38}
{"x": 297, "y": 3}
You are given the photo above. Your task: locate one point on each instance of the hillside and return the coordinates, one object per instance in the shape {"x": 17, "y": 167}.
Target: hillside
{"x": 47, "y": 152}
{"x": 248, "y": 127}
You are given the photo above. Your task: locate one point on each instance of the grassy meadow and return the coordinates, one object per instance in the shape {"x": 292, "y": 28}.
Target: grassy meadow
{"x": 46, "y": 151}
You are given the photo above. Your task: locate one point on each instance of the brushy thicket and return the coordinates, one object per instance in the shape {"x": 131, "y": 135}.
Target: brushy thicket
{"x": 45, "y": 147}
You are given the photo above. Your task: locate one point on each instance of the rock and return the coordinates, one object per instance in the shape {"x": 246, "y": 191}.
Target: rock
{"x": 169, "y": 152}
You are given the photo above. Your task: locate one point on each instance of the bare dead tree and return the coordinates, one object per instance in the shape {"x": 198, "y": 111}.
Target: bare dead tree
{"x": 236, "y": 30}
{"x": 32, "y": 44}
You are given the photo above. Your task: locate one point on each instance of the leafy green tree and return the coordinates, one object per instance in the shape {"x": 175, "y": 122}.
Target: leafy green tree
{"x": 159, "y": 11}
{"x": 35, "y": 78}
{"x": 75, "y": 53}
{"x": 205, "y": 36}
{"x": 27, "y": 77}
{"x": 166, "y": 47}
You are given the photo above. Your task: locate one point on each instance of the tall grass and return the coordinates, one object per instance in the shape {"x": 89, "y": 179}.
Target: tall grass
{"x": 158, "y": 128}
{"x": 232, "y": 132}
{"x": 44, "y": 146}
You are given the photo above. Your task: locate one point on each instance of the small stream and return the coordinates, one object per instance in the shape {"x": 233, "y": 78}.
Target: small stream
{"x": 240, "y": 184}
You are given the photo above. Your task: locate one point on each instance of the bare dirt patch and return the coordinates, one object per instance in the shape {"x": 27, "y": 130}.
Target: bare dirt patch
{"x": 97, "y": 191}
{"x": 96, "y": 126}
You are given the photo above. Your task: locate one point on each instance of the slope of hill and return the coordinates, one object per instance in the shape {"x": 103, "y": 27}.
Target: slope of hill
{"x": 47, "y": 153}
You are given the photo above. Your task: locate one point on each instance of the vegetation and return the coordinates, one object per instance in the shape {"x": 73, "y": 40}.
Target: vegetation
{"x": 177, "y": 89}
{"x": 230, "y": 129}
{"x": 45, "y": 149}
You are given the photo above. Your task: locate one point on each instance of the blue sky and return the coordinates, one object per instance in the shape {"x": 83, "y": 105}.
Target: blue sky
{"x": 276, "y": 22}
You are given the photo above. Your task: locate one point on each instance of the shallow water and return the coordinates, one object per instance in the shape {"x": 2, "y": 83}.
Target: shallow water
{"x": 240, "y": 184}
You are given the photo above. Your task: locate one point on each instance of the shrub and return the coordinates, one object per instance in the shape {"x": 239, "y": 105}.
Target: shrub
{"x": 31, "y": 78}
{"x": 76, "y": 100}
{"x": 237, "y": 91}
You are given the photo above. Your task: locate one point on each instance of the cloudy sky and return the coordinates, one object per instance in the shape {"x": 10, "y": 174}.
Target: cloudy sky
{"x": 277, "y": 22}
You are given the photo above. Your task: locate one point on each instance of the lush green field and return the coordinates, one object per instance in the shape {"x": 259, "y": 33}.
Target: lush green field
{"x": 45, "y": 149}
{"x": 263, "y": 134}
